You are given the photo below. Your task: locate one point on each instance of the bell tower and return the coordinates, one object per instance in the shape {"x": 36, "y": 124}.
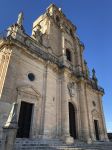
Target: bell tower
{"x": 58, "y": 36}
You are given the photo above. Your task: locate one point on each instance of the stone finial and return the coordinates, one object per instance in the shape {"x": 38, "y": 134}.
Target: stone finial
{"x": 12, "y": 119}
{"x": 60, "y": 9}
{"x": 94, "y": 75}
{"x": 87, "y": 69}
{"x": 20, "y": 19}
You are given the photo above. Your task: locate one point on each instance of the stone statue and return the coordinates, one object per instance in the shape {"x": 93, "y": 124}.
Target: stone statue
{"x": 71, "y": 88}
{"x": 37, "y": 34}
{"x": 20, "y": 19}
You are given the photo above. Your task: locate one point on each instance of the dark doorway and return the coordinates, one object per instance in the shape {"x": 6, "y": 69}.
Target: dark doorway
{"x": 96, "y": 129}
{"x": 72, "y": 121}
{"x": 24, "y": 121}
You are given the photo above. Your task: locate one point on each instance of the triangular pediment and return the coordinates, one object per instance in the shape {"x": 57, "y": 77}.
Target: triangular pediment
{"x": 28, "y": 90}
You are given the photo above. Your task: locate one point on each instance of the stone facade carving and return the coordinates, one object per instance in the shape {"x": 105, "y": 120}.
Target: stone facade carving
{"x": 37, "y": 34}
{"x": 71, "y": 88}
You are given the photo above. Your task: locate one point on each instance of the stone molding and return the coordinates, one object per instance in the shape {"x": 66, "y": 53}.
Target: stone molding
{"x": 30, "y": 90}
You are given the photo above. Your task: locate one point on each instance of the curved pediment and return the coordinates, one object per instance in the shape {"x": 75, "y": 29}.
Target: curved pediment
{"x": 28, "y": 90}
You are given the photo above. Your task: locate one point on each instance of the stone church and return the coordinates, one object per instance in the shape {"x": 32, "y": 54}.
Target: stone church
{"x": 46, "y": 91}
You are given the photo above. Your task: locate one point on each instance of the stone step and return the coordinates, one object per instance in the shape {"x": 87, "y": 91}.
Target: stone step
{"x": 48, "y": 148}
{"x": 42, "y": 147}
{"x": 56, "y": 144}
{"x": 47, "y": 142}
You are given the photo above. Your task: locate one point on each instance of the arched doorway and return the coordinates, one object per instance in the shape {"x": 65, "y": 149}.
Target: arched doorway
{"x": 96, "y": 126}
{"x": 72, "y": 121}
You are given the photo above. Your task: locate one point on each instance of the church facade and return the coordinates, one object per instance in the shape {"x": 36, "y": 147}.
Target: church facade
{"x": 46, "y": 75}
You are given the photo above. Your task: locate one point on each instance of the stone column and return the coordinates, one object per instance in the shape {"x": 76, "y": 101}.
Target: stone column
{"x": 10, "y": 129}
{"x": 65, "y": 113}
{"x": 83, "y": 112}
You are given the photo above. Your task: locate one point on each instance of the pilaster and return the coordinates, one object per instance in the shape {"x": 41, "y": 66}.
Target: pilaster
{"x": 83, "y": 112}
{"x": 43, "y": 106}
{"x": 103, "y": 130}
{"x": 6, "y": 54}
{"x": 65, "y": 112}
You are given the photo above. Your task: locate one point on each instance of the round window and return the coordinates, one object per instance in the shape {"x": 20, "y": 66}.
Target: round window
{"x": 31, "y": 76}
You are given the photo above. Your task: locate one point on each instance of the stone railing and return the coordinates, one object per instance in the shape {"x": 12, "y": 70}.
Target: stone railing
{"x": 31, "y": 44}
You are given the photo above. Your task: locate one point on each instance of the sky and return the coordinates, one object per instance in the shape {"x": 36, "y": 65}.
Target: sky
{"x": 93, "y": 19}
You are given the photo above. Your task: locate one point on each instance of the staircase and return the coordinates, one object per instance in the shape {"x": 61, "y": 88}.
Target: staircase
{"x": 99, "y": 146}
{"x": 56, "y": 144}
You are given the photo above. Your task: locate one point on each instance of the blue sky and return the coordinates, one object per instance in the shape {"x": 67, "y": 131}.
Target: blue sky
{"x": 93, "y": 19}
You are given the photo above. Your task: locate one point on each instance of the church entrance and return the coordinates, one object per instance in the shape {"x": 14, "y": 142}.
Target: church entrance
{"x": 72, "y": 121}
{"x": 96, "y": 129}
{"x": 24, "y": 121}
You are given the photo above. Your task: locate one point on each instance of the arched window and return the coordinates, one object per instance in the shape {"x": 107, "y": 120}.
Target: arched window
{"x": 57, "y": 19}
{"x": 68, "y": 55}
